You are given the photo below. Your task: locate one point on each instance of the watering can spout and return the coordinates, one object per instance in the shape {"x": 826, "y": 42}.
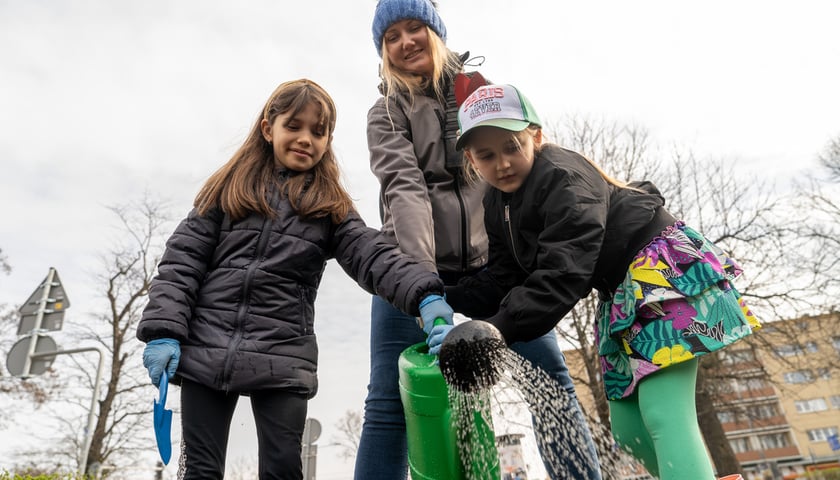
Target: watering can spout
{"x": 470, "y": 356}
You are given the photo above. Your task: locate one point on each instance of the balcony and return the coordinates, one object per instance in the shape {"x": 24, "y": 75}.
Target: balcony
{"x": 765, "y": 392}
{"x": 754, "y": 424}
{"x": 769, "y": 454}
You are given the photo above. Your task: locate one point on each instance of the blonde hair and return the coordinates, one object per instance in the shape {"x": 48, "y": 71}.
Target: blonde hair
{"x": 243, "y": 184}
{"x": 473, "y": 176}
{"x": 445, "y": 65}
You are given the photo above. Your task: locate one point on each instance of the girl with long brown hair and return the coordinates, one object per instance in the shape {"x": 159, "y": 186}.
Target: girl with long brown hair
{"x": 231, "y": 311}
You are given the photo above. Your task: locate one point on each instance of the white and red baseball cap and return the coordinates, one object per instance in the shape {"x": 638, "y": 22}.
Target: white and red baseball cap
{"x": 501, "y": 106}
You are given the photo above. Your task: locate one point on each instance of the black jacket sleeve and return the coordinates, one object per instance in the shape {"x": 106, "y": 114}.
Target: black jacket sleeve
{"x": 173, "y": 292}
{"x": 380, "y": 267}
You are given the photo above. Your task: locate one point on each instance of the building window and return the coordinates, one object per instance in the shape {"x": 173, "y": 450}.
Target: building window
{"x": 737, "y": 356}
{"x": 835, "y": 401}
{"x": 811, "y": 347}
{"x": 750, "y": 383}
{"x": 821, "y": 434}
{"x": 757, "y": 383}
{"x": 788, "y": 350}
{"x": 812, "y": 405}
{"x": 774, "y": 440}
{"x": 799, "y": 376}
{"x": 740, "y": 445}
{"x": 726, "y": 417}
{"x": 759, "y": 412}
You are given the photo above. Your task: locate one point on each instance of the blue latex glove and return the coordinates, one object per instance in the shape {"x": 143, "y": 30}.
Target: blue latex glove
{"x": 433, "y": 307}
{"x": 436, "y": 337}
{"x": 160, "y": 354}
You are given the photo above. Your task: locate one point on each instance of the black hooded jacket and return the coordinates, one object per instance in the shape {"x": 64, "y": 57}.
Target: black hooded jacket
{"x": 565, "y": 231}
{"x": 240, "y": 296}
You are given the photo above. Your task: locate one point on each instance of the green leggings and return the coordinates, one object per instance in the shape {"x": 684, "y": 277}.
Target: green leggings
{"x": 657, "y": 424}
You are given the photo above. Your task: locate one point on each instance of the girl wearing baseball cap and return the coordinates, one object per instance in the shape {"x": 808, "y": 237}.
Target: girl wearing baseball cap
{"x": 559, "y": 227}
{"x": 434, "y": 215}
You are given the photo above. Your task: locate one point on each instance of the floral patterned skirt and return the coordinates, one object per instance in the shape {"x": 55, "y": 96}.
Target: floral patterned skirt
{"x": 676, "y": 302}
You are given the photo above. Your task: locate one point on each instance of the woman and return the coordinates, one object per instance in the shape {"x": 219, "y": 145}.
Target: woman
{"x": 429, "y": 210}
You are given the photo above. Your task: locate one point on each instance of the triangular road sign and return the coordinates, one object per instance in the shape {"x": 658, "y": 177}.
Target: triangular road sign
{"x": 44, "y": 309}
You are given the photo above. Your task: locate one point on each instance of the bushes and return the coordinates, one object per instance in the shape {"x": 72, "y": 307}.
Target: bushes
{"x": 827, "y": 474}
{"x": 43, "y": 476}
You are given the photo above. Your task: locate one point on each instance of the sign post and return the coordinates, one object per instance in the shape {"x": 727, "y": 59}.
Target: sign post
{"x": 309, "y": 452}
{"x": 35, "y": 352}
{"x": 91, "y": 424}
{"x": 43, "y": 310}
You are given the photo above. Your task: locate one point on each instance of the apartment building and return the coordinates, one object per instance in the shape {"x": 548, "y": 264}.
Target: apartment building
{"x": 781, "y": 408}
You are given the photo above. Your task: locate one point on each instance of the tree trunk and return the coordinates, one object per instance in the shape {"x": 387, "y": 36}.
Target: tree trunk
{"x": 720, "y": 450}
{"x": 596, "y": 385}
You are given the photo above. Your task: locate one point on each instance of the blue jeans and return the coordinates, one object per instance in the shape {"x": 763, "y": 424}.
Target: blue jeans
{"x": 383, "y": 450}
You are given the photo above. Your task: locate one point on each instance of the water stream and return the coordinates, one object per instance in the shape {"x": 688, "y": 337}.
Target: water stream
{"x": 511, "y": 391}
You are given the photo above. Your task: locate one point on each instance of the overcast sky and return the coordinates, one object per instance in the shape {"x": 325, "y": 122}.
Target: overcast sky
{"x": 101, "y": 101}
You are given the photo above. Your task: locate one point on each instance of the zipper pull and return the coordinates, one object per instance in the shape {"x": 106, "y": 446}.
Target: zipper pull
{"x": 507, "y": 213}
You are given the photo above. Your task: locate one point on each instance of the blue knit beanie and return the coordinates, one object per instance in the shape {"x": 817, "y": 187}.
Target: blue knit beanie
{"x": 390, "y": 11}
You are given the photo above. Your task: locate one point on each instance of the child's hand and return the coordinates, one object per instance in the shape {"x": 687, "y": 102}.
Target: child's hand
{"x": 436, "y": 337}
{"x": 160, "y": 354}
{"x": 433, "y": 307}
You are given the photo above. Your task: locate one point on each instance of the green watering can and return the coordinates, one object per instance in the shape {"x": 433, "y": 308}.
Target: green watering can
{"x": 430, "y": 426}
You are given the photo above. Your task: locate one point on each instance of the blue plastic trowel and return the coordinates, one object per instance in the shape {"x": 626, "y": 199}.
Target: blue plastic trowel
{"x": 163, "y": 421}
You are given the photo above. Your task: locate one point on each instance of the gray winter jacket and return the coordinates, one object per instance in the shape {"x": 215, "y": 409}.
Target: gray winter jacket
{"x": 418, "y": 193}
{"x": 240, "y": 296}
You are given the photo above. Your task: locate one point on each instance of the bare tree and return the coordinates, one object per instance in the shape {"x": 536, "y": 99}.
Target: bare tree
{"x": 740, "y": 213}
{"x": 713, "y": 382}
{"x": 807, "y": 257}
{"x": 122, "y": 429}
{"x": 623, "y": 151}
{"x": 811, "y": 250}
{"x": 830, "y": 159}
{"x": 349, "y": 433}
{"x": 127, "y": 274}
{"x": 8, "y": 316}
{"x": 818, "y": 202}
{"x": 790, "y": 250}
{"x": 4, "y": 263}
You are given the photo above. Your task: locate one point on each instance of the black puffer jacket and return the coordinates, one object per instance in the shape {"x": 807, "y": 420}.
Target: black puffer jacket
{"x": 240, "y": 296}
{"x": 564, "y": 232}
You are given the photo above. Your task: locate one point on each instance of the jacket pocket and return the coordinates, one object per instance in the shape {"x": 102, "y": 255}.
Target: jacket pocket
{"x": 307, "y": 310}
